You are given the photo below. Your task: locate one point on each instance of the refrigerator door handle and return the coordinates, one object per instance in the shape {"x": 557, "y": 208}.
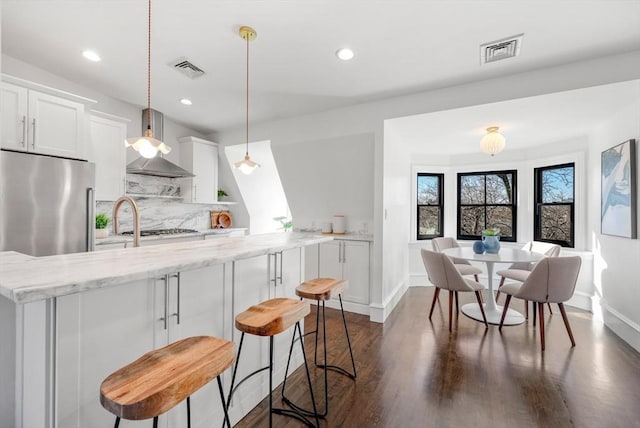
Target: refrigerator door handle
{"x": 91, "y": 228}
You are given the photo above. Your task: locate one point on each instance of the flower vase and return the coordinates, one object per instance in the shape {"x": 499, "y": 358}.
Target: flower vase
{"x": 491, "y": 243}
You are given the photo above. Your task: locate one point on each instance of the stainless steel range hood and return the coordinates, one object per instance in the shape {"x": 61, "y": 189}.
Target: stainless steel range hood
{"x": 156, "y": 166}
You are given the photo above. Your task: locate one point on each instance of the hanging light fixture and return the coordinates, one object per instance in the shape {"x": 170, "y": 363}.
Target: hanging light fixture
{"x": 247, "y": 166}
{"x": 146, "y": 145}
{"x": 493, "y": 141}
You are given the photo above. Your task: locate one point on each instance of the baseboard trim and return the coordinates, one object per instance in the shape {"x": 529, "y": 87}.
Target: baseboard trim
{"x": 380, "y": 312}
{"x": 626, "y": 329}
{"x": 358, "y": 308}
{"x": 581, "y": 300}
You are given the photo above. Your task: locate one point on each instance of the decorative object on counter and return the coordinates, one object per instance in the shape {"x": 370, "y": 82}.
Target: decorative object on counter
{"x": 338, "y": 224}
{"x": 327, "y": 227}
{"x": 220, "y": 219}
{"x": 478, "y": 247}
{"x": 491, "y": 240}
{"x": 102, "y": 220}
{"x": 146, "y": 145}
{"x": 221, "y": 194}
{"x": 246, "y": 166}
{"x": 287, "y": 224}
{"x": 493, "y": 141}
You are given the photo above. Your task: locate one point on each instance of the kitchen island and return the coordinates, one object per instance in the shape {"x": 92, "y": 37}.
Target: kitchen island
{"x": 70, "y": 320}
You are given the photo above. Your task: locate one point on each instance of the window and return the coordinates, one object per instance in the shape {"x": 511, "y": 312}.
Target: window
{"x": 430, "y": 218}
{"x": 554, "y": 214}
{"x": 487, "y": 200}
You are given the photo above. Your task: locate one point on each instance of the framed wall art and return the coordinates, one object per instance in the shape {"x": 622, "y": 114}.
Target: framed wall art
{"x": 618, "y": 186}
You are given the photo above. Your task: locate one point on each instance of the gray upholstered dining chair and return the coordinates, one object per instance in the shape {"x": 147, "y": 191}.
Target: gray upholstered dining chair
{"x": 463, "y": 266}
{"x": 443, "y": 274}
{"x": 520, "y": 271}
{"x": 552, "y": 280}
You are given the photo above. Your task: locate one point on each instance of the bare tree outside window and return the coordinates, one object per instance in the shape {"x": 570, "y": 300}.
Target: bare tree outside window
{"x": 486, "y": 200}
{"x": 554, "y": 201}
{"x": 430, "y": 205}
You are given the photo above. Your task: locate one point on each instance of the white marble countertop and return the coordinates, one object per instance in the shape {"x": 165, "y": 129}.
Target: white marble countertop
{"x": 27, "y": 279}
{"x": 120, "y": 239}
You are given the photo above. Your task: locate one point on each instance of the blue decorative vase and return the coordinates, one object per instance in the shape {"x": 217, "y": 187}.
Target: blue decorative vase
{"x": 491, "y": 244}
{"x": 478, "y": 247}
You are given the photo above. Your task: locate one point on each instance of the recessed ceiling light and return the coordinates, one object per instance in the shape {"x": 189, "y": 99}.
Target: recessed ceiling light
{"x": 186, "y": 101}
{"x": 91, "y": 56}
{"x": 344, "y": 54}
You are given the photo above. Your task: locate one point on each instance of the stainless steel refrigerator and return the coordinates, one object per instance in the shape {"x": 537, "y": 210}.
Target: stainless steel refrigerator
{"x": 46, "y": 204}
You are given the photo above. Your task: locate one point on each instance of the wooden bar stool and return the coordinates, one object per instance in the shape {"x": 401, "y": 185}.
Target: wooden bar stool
{"x": 154, "y": 383}
{"x": 268, "y": 319}
{"x": 321, "y": 290}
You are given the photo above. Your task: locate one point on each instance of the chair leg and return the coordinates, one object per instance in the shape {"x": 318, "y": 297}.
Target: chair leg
{"x": 541, "y": 314}
{"x": 117, "y": 422}
{"x": 475, "y": 276}
{"x": 457, "y": 309}
{"x": 484, "y": 317}
{"x": 526, "y": 309}
{"x": 227, "y": 422}
{"x": 504, "y": 311}
{"x": 550, "y": 311}
{"x": 499, "y": 285}
{"x": 534, "y": 306}
{"x": 566, "y": 323}
{"x": 435, "y": 299}
{"x": 155, "y": 422}
{"x": 450, "y": 308}
{"x": 346, "y": 332}
{"x": 189, "y": 412}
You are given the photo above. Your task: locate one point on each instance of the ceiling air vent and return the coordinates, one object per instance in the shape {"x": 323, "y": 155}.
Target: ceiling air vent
{"x": 500, "y": 49}
{"x": 186, "y": 67}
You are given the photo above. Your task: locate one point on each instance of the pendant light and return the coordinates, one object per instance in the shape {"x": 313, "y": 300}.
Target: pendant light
{"x": 493, "y": 141}
{"x": 247, "y": 166}
{"x": 146, "y": 145}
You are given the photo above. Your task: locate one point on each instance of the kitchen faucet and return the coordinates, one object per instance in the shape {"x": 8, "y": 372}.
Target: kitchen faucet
{"x": 136, "y": 217}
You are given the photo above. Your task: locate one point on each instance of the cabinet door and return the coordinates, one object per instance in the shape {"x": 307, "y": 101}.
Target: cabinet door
{"x": 356, "y": 271}
{"x": 330, "y": 261}
{"x": 98, "y": 332}
{"x": 55, "y": 125}
{"x": 14, "y": 117}
{"x": 108, "y": 152}
{"x": 201, "y": 158}
{"x": 311, "y": 259}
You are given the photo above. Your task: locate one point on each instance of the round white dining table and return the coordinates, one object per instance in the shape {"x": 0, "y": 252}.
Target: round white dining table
{"x": 492, "y": 311}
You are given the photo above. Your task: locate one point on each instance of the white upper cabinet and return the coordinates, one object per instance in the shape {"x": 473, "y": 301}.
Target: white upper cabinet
{"x": 108, "y": 152}
{"x": 201, "y": 158}
{"x": 42, "y": 120}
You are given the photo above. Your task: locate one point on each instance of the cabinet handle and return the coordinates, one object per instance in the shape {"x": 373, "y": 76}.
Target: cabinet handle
{"x": 177, "y": 314}
{"x": 33, "y": 137}
{"x": 195, "y": 193}
{"x": 24, "y": 130}
{"x": 275, "y": 268}
{"x": 166, "y": 301}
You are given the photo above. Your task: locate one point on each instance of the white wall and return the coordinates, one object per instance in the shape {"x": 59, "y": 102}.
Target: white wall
{"x": 327, "y": 177}
{"x": 370, "y": 117}
{"x": 615, "y": 259}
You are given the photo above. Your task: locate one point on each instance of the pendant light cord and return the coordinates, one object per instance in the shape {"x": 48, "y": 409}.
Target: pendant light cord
{"x": 247, "y": 111}
{"x": 149, "y": 70}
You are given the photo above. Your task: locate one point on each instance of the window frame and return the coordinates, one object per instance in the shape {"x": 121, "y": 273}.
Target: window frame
{"x": 513, "y": 205}
{"x": 537, "y": 203}
{"x": 440, "y": 205}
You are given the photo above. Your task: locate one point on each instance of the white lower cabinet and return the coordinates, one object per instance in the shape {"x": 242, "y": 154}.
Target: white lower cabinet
{"x": 343, "y": 259}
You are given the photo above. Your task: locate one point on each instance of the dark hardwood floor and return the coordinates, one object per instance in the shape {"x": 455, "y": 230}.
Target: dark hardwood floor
{"x": 414, "y": 373}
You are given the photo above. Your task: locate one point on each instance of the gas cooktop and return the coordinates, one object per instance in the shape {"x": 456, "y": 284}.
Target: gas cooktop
{"x": 155, "y": 232}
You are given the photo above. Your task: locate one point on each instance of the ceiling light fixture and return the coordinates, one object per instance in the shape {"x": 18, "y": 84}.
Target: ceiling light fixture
{"x": 247, "y": 166}
{"x": 344, "y": 54}
{"x": 146, "y": 145}
{"x": 186, "y": 101}
{"x": 493, "y": 141}
{"x": 91, "y": 55}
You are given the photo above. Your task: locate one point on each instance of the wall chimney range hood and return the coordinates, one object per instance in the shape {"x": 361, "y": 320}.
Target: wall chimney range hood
{"x": 156, "y": 166}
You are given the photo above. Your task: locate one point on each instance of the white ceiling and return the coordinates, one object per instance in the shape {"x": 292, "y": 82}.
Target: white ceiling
{"x": 401, "y": 46}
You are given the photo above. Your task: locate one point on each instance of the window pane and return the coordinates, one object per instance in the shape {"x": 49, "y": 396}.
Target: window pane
{"x": 555, "y": 222}
{"x": 471, "y": 189}
{"x": 429, "y": 221}
{"x": 472, "y": 220}
{"x": 557, "y": 185}
{"x": 501, "y": 218}
{"x": 428, "y": 189}
{"x": 499, "y": 188}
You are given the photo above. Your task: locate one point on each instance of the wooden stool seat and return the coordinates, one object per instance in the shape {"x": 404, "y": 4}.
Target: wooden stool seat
{"x": 160, "y": 379}
{"x": 321, "y": 288}
{"x": 272, "y": 316}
